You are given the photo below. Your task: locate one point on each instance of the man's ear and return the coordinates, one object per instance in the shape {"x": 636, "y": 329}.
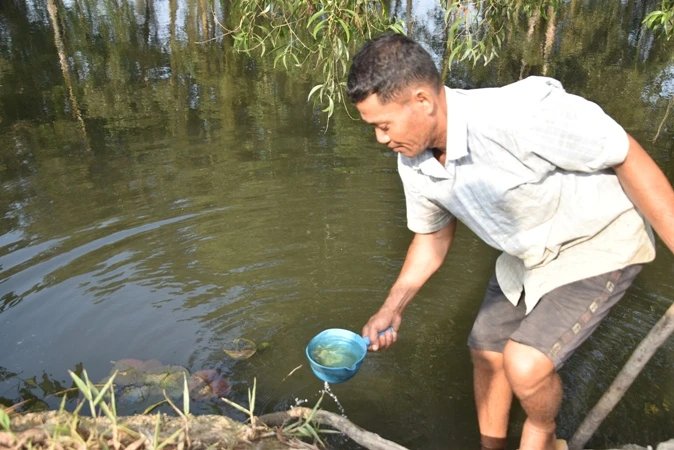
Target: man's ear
{"x": 424, "y": 98}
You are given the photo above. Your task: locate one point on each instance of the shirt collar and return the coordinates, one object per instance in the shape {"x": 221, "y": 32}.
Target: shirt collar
{"x": 457, "y": 127}
{"x": 428, "y": 165}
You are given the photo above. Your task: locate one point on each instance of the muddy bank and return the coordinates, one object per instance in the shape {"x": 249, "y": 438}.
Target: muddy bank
{"x": 62, "y": 430}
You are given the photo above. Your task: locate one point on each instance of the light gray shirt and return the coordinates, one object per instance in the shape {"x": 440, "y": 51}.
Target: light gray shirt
{"x": 528, "y": 170}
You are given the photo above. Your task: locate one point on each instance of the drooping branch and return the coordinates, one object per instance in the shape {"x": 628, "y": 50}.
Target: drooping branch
{"x": 664, "y": 119}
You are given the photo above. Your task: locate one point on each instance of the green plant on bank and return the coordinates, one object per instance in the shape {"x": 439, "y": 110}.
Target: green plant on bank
{"x": 303, "y": 428}
{"x": 307, "y": 428}
{"x": 250, "y": 411}
{"x": 309, "y": 34}
{"x": 4, "y": 420}
{"x": 662, "y": 19}
{"x": 101, "y": 403}
{"x": 103, "y": 400}
{"x": 71, "y": 431}
{"x": 94, "y": 396}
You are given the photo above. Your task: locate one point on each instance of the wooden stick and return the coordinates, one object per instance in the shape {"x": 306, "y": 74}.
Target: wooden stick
{"x": 644, "y": 351}
{"x": 362, "y": 437}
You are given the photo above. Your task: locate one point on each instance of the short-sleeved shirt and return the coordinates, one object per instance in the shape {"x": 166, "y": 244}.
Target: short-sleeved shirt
{"x": 529, "y": 170}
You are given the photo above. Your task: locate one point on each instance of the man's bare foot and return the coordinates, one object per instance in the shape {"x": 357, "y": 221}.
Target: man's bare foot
{"x": 538, "y": 438}
{"x": 560, "y": 444}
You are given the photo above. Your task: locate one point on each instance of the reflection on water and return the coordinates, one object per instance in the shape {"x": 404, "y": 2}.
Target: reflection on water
{"x": 212, "y": 204}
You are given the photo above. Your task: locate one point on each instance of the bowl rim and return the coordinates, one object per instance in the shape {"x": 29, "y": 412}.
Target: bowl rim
{"x": 351, "y": 336}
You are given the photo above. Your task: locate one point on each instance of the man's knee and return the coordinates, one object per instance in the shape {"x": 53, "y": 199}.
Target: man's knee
{"x": 527, "y": 368}
{"x": 486, "y": 360}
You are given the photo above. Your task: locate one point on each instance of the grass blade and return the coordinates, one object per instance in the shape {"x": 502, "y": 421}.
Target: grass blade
{"x": 186, "y": 396}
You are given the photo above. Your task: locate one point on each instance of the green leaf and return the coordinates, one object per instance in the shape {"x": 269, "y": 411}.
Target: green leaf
{"x": 236, "y": 405}
{"x": 278, "y": 57}
{"x": 345, "y": 27}
{"x": 108, "y": 412}
{"x": 5, "y": 421}
{"x": 330, "y": 108}
{"x": 318, "y": 28}
{"x": 251, "y": 397}
{"x": 314, "y": 89}
{"x": 315, "y": 16}
{"x": 186, "y": 396}
{"x": 81, "y": 385}
{"x": 105, "y": 388}
{"x": 152, "y": 407}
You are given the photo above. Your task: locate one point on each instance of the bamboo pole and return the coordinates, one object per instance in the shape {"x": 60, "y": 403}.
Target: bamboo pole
{"x": 643, "y": 353}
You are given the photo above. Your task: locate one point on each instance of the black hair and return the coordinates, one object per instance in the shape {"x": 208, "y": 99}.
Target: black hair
{"x": 387, "y": 65}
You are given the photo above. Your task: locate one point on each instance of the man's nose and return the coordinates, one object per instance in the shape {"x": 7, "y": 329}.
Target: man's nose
{"x": 382, "y": 136}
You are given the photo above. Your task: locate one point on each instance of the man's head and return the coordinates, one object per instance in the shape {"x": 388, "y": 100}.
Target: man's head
{"x": 397, "y": 89}
{"x": 387, "y": 66}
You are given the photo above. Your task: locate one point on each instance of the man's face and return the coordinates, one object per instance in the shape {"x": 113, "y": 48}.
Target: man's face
{"x": 403, "y": 124}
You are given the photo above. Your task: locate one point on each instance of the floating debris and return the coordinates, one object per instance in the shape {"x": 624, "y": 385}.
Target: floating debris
{"x": 240, "y": 348}
{"x": 262, "y": 346}
{"x": 141, "y": 383}
{"x": 207, "y": 384}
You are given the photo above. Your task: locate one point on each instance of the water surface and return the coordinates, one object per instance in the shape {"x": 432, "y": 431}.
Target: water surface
{"x": 180, "y": 196}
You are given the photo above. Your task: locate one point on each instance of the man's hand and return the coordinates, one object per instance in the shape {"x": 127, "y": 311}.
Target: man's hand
{"x": 382, "y": 320}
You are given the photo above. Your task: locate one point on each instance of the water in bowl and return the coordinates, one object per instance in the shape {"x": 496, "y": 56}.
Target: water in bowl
{"x": 335, "y": 354}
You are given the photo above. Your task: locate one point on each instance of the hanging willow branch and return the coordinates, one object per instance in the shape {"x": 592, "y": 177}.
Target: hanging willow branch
{"x": 475, "y": 30}
{"x": 320, "y": 35}
{"x": 664, "y": 119}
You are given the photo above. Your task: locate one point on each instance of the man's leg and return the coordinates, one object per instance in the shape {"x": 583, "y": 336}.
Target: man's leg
{"x": 493, "y": 398}
{"x": 535, "y": 382}
{"x": 562, "y": 320}
{"x": 495, "y": 322}
{"x": 534, "y": 347}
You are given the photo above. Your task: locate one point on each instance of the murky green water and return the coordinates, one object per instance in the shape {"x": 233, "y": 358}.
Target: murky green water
{"x": 200, "y": 199}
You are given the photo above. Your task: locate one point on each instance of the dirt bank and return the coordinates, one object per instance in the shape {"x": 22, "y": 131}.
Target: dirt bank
{"x": 62, "y": 430}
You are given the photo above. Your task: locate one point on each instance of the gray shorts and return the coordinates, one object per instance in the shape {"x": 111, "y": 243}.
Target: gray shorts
{"x": 562, "y": 320}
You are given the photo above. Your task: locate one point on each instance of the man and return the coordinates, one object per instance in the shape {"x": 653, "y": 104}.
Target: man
{"x": 540, "y": 174}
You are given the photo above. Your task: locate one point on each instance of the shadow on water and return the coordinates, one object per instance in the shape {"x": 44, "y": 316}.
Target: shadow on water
{"x": 212, "y": 204}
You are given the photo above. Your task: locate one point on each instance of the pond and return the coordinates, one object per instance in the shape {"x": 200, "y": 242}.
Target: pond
{"x": 163, "y": 196}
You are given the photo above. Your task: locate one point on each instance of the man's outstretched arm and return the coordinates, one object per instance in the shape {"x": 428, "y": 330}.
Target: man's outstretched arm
{"x": 424, "y": 257}
{"x": 649, "y": 189}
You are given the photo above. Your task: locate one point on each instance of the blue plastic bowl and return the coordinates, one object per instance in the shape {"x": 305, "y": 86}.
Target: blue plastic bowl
{"x": 352, "y": 345}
